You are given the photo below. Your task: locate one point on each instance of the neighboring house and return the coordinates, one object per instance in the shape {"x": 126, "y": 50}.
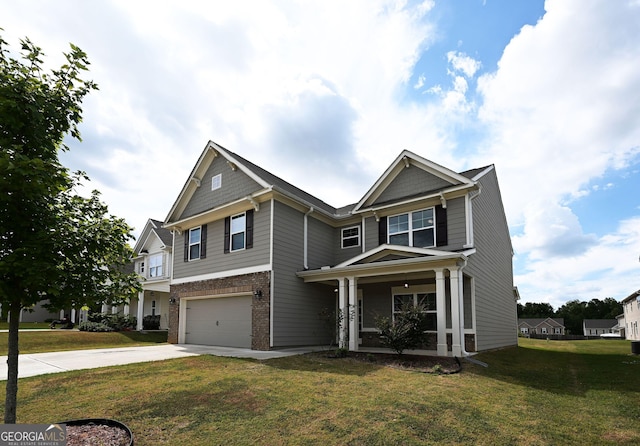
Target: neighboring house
{"x": 153, "y": 262}
{"x": 541, "y": 326}
{"x": 257, "y": 260}
{"x": 620, "y": 326}
{"x": 597, "y": 327}
{"x": 631, "y": 307}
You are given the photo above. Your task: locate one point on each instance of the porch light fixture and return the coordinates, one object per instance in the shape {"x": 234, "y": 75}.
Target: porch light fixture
{"x": 257, "y": 294}
{"x": 172, "y": 300}
{"x": 406, "y": 285}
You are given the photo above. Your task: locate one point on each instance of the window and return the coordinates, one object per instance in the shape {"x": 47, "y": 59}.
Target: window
{"x": 238, "y": 228}
{"x": 544, "y": 330}
{"x": 194, "y": 243}
{"x": 216, "y": 182}
{"x": 351, "y": 237}
{"x": 153, "y": 308}
{"x": 141, "y": 268}
{"x": 557, "y": 330}
{"x": 155, "y": 265}
{"x": 426, "y": 300}
{"x": 412, "y": 229}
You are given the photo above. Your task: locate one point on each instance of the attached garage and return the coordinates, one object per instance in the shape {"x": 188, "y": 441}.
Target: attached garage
{"x": 224, "y": 321}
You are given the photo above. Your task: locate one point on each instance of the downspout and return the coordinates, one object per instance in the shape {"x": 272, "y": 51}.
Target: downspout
{"x": 306, "y": 239}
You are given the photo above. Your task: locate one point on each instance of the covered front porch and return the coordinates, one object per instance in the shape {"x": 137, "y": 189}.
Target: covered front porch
{"x": 379, "y": 282}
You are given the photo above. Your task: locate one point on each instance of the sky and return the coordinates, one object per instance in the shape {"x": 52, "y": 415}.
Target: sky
{"x": 547, "y": 91}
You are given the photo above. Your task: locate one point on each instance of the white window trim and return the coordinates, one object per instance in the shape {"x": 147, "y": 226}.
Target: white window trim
{"x": 216, "y": 182}
{"x": 410, "y": 231}
{"x": 342, "y": 237}
{"x": 414, "y": 290}
{"x": 160, "y": 266}
{"x": 193, "y": 244}
{"x": 243, "y": 232}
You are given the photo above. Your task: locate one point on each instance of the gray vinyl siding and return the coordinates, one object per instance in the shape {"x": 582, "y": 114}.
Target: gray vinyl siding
{"x": 410, "y": 182}
{"x": 296, "y": 305}
{"x": 491, "y": 267}
{"x": 216, "y": 260}
{"x": 343, "y": 254}
{"x": 322, "y": 241}
{"x": 235, "y": 185}
{"x": 370, "y": 233}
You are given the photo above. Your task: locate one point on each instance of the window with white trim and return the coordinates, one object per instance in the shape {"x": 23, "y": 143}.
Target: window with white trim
{"x": 195, "y": 243}
{"x": 155, "y": 265}
{"x": 403, "y": 297}
{"x": 412, "y": 229}
{"x": 238, "y": 232}
{"x": 216, "y": 182}
{"x": 350, "y": 236}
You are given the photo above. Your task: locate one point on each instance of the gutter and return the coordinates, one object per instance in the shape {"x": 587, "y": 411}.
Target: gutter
{"x": 306, "y": 239}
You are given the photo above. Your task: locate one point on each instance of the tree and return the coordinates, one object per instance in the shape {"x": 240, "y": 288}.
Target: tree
{"x": 573, "y": 313}
{"x": 535, "y": 310}
{"x": 406, "y": 331}
{"x": 54, "y": 244}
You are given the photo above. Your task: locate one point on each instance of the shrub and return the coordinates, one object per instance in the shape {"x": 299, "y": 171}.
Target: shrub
{"x": 117, "y": 322}
{"x": 95, "y": 327}
{"x": 407, "y": 331}
{"x": 151, "y": 322}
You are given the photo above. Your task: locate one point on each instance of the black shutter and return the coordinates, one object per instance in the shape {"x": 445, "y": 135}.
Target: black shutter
{"x": 186, "y": 245}
{"x": 249, "y": 228}
{"x": 203, "y": 242}
{"x": 382, "y": 231}
{"x": 441, "y": 226}
{"x": 227, "y": 234}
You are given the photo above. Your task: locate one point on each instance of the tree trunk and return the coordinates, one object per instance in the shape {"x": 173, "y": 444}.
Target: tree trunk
{"x": 11, "y": 398}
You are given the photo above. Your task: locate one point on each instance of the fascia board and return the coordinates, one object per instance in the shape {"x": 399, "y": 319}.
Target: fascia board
{"x": 401, "y": 266}
{"x": 483, "y": 173}
{"x": 142, "y": 240}
{"x": 219, "y": 212}
{"x": 454, "y": 192}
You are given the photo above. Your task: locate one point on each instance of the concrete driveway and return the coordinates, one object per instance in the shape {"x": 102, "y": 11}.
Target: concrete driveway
{"x": 54, "y": 362}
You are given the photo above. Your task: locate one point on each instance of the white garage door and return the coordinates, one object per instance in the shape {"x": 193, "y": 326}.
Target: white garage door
{"x": 224, "y": 321}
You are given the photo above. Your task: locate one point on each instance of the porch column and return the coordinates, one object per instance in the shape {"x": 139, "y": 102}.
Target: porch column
{"x": 441, "y": 313}
{"x": 140, "y": 313}
{"x": 104, "y": 308}
{"x": 456, "y": 328}
{"x": 73, "y": 315}
{"x": 352, "y": 314}
{"x": 126, "y": 309}
{"x": 342, "y": 311}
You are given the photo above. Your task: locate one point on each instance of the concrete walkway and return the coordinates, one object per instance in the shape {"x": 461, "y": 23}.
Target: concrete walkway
{"x": 54, "y": 362}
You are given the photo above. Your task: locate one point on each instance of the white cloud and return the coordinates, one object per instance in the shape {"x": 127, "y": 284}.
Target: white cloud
{"x": 460, "y": 62}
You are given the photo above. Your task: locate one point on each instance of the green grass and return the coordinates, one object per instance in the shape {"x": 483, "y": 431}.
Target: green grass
{"x": 61, "y": 340}
{"x": 541, "y": 393}
{"x": 27, "y": 325}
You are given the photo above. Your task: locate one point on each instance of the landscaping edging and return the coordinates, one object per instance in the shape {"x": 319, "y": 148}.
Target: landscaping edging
{"x": 100, "y": 430}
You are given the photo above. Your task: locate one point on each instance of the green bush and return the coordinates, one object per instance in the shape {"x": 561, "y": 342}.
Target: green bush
{"x": 151, "y": 322}
{"x": 95, "y": 327}
{"x": 406, "y": 331}
{"x": 117, "y": 322}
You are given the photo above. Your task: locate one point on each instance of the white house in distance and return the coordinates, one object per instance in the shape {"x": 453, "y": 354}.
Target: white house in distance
{"x": 631, "y": 307}
{"x": 153, "y": 264}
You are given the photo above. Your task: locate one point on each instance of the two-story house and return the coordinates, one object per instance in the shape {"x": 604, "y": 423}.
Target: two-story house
{"x": 257, "y": 260}
{"x": 153, "y": 263}
{"x": 631, "y": 308}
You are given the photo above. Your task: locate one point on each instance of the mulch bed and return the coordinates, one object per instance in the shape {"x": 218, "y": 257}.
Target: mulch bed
{"x": 416, "y": 363}
{"x": 97, "y": 434}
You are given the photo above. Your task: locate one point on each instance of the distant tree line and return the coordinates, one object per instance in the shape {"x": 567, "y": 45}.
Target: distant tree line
{"x": 573, "y": 312}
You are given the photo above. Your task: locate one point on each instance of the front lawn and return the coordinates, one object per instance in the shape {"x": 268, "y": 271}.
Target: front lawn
{"x": 538, "y": 394}
{"x": 61, "y": 340}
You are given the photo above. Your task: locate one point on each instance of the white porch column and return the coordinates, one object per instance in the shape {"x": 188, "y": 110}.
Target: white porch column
{"x": 126, "y": 309}
{"x": 104, "y": 308}
{"x": 456, "y": 289}
{"x": 140, "y": 312}
{"x": 352, "y": 314}
{"x": 441, "y": 313}
{"x": 73, "y": 315}
{"x": 342, "y": 304}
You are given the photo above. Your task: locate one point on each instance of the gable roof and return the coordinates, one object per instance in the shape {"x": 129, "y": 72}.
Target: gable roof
{"x": 405, "y": 160}
{"x": 600, "y": 323}
{"x": 270, "y": 182}
{"x": 535, "y": 322}
{"x": 153, "y": 227}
